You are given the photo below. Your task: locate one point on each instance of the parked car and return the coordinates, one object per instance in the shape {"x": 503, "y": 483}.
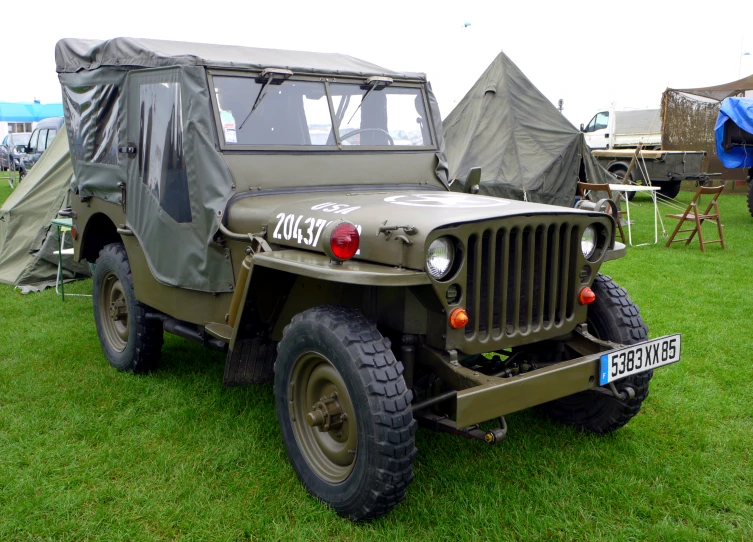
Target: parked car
{"x": 40, "y": 139}
{"x": 13, "y": 150}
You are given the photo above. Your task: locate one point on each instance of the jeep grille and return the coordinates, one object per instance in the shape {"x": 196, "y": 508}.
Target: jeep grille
{"x": 520, "y": 280}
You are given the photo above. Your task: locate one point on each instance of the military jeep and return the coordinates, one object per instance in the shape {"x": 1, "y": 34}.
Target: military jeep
{"x": 293, "y": 210}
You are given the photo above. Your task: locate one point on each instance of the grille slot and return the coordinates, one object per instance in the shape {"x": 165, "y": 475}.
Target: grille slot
{"x": 520, "y": 280}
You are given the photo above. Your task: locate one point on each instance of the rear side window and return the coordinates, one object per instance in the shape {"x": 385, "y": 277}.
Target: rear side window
{"x": 162, "y": 165}
{"x": 34, "y": 139}
{"x": 93, "y": 114}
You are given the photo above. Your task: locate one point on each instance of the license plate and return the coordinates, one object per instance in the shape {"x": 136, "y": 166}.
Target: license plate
{"x": 639, "y": 358}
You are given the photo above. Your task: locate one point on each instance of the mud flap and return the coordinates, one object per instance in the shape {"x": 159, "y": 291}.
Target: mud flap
{"x": 250, "y": 362}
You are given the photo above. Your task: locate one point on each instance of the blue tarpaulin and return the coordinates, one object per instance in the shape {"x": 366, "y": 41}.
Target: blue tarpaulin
{"x": 28, "y": 112}
{"x": 740, "y": 112}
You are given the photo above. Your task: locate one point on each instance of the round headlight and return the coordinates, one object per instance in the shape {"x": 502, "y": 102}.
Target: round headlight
{"x": 439, "y": 258}
{"x": 588, "y": 241}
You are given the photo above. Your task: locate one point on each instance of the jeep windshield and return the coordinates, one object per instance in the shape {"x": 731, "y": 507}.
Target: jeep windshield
{"x": 297, "y": 113}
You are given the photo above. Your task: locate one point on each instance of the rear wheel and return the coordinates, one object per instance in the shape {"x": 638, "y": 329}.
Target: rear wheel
{"x": 750, "y": 197}
{"x": 130, "y": 342}
{"x": 669, "y": 189}
{"x": 612, "y": 317}
{"x": 344, "y": 412}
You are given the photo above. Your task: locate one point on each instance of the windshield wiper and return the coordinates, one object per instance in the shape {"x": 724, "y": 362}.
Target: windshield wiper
{"x": 270, "y": 74}
{"x": 375, "y": 81}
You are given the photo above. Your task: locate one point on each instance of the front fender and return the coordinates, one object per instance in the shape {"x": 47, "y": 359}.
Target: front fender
{"x": 271, "y": 277}
{"x": 319, "y": 266}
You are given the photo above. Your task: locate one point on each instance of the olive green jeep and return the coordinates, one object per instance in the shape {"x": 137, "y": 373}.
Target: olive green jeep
{"x": 293, "y": 210}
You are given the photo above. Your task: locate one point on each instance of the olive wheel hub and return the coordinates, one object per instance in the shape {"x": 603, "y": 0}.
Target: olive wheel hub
{"x": 113, "y": 304}
{"x": 323, "y": 417}
{"x": 118, "y": 309}
{"x": 327, "y": 414}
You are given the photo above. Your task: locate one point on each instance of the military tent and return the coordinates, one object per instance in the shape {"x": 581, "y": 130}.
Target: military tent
{"x": 525, "y": 147}
{"x": 27, "y": 240}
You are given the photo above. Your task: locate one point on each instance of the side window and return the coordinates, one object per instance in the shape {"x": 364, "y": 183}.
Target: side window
{"x": 162, "y": 165}
{"x": 42, "y": 140}
{"x": 51, "y": 135}
{"x": 602, "y": 120}
{"x": 93, "y": 113}
{"x": 590, "y": 127}
{"x": 34, "y": 139}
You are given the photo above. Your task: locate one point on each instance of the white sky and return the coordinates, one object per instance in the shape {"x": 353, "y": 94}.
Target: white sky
{"x": 589, "y": 53}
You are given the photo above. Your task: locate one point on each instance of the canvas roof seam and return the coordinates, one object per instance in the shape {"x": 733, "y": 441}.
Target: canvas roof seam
{"x": 73, "y": 55}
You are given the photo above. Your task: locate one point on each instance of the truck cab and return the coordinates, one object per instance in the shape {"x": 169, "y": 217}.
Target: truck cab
{"x": 597, "y": 131}
{"x": 624, "y": 129}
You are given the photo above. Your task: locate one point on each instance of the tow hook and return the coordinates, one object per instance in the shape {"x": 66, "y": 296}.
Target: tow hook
{"x": 626, "y": 394}
{"x": 445, "y": 425}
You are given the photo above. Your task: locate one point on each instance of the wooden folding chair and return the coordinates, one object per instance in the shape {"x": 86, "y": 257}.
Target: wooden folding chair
{"x": 691, "y": 214}
{"x": 586, "y": 188}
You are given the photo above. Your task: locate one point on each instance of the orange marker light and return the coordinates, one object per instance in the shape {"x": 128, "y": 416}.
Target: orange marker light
{"x": 586, "y": 296}
{"x": 458, "y": 318}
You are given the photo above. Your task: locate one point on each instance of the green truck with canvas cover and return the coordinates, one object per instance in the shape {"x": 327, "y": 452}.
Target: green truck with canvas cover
{"x": 293, "y": 210}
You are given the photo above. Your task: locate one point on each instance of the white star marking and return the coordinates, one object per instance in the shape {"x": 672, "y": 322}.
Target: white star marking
{"x": 446, "y": 200}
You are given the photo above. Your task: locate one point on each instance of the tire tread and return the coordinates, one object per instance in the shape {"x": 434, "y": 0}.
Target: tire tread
{"x": 381, "y": 376}
{"x": 601, "y": 413}
{"x": 149, "y": 335}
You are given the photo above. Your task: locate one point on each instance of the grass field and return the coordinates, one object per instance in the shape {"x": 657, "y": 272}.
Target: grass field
{"x": 90, "y": 453}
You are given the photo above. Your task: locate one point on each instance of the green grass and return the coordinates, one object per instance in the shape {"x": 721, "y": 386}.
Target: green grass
{"x": 5, "y": 189}
{"x": 87, "y": 452}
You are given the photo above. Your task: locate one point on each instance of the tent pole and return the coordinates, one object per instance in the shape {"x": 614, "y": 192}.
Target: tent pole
{"x": 664, "y": 116}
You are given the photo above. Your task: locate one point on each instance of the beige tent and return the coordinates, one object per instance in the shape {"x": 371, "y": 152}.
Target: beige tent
{"x": 27, "y": 240}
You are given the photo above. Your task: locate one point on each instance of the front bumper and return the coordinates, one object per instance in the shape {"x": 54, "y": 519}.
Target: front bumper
{"x": 481, "y": 397}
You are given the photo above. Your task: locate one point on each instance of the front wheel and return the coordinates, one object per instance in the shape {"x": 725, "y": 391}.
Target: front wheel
{"x": 129, "y": 340}
{"x": 344, "y": 412}
{"x": 612, "y": 317}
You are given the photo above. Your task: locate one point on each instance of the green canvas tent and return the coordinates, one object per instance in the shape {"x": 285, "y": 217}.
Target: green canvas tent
{"x": 526, "y": 149}
{"x": 27, "y": 240}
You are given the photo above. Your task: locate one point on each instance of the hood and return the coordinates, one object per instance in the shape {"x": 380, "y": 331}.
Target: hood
{"x": 393, "y": 225}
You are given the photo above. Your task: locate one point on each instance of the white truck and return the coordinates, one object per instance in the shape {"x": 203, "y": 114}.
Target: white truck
{"x": 614, "y": 137}
{"x": 610, "y": 129}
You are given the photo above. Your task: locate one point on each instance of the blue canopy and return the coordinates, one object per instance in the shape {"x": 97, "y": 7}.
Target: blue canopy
{"x": 28, "y": 112}
{"x": 740, "y": 112}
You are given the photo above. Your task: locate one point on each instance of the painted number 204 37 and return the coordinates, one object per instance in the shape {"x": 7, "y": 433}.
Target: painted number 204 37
{"x": 304, "y": 231}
